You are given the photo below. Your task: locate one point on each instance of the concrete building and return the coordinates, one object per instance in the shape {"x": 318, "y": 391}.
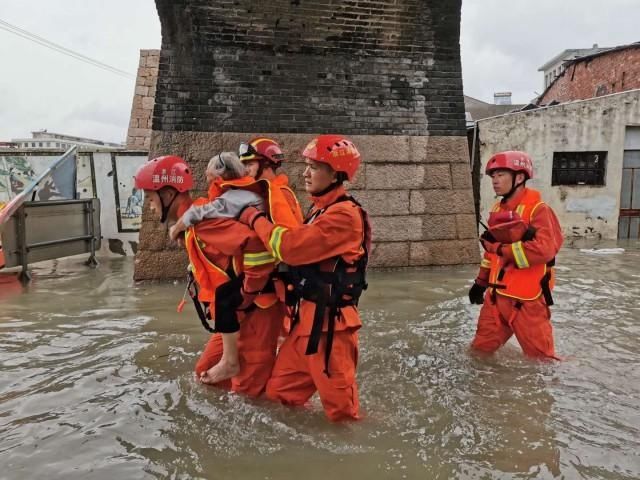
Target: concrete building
{"x": 586, "y": 161}
{"x": 602, "y": 72}
{"x": 387, "y": 74}
{"x": 45, "y": 140}
{"x": 557, "y": 65}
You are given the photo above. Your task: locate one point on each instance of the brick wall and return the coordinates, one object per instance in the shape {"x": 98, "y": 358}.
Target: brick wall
{"x": 360, "y": 66}
{"x": 139, "y": 133}
{"x": 613, "y": 72}
{"x": 386, "y": 73}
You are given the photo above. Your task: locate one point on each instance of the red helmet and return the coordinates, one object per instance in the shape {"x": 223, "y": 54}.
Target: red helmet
{"x": 335, "y": 150}
{"x": 261, "y": 148}
{"x": 167, "y": 171}
{"x": 511, "y": 160}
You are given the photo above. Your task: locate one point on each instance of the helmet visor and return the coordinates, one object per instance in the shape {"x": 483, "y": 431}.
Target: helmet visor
{"x": 246, "y": 150}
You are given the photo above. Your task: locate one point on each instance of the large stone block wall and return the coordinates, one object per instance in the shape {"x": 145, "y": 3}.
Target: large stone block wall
{"x": 139, "y": 133}
{"x": 386, "y": 73}
{"x": 417, "y": 191}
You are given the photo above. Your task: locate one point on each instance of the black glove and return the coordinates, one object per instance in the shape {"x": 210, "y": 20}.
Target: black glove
{"x": 476, "y": 294}
{"x": 488, "y": 236}
{"x": 530, "y": 234}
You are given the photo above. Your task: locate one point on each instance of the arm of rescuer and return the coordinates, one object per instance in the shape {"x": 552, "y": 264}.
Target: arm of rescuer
{"x": 541, "y": 249}
{"x": 338, "y": 231}
{"x": 476, "y": 292}
{"x": 234, "y": 239}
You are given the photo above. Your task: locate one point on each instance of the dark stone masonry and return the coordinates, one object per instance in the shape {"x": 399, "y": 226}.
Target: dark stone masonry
{"x": 386, "y": 73}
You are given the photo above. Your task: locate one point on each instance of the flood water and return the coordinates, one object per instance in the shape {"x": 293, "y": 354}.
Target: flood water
{"x": 96, "y": 382}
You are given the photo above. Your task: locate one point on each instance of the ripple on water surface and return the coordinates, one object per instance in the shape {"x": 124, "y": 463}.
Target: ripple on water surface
{"x": 96, "y": 382}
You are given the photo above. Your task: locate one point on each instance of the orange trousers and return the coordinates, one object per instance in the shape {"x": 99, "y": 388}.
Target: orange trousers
{"x": 297, "y": 376}
{"x": 257, "y": 342}
{"x": 531, "y": 324}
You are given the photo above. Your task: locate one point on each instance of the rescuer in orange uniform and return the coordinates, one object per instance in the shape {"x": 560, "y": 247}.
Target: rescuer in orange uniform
{"x": 262, "y": 156}
{"x": 228, "y": 194}
{"x": 521, "y": 244}
{"x": 229, "y": 263}
{"x": 327, "y": 259}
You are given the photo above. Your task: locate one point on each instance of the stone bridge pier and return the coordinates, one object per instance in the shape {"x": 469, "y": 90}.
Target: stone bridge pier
{"x": 386, "y": 73}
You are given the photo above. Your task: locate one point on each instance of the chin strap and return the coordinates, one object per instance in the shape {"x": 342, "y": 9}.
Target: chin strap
{"x": 165, "y": 208}
{"x": 326, "y": 190}
{"x": 514, "y": 187}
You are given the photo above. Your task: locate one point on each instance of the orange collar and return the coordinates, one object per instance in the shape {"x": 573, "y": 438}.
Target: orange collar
{"x": 515, "y": 200}
{"x": 280, "y": 180}
{"x": 328, "y": 198}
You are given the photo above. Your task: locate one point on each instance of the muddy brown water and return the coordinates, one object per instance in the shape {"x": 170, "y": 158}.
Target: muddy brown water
{"x": 96, "y": 382}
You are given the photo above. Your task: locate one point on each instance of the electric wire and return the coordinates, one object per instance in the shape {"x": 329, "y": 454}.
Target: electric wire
{"x": 6, "y": 26}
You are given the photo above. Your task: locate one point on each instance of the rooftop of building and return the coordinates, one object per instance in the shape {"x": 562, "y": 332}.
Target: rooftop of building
{"x": 45, "y": 134}
{"x": 571, "y": 54}
{"x": 479, "y": 109}
{"x": 587, "y": 58}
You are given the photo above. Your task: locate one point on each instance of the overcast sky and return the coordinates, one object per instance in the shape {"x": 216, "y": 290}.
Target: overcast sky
{"x": 503, "y": 44}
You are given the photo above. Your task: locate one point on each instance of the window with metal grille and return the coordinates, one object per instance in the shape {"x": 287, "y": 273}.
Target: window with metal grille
{"x": 578, "y": 168}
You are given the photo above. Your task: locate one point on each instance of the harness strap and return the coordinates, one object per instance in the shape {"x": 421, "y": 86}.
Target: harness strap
{"x": 546, "y": 289}
{"x": 331, "y": 328}
{"x": 327, "y": 290}
{"x": 202, "y": 309}
{"x": 318, "y": 321}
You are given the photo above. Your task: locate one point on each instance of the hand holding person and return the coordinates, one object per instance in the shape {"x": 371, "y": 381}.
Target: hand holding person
{"x": 249, "y": 215}
{"x": 177, "y": 229}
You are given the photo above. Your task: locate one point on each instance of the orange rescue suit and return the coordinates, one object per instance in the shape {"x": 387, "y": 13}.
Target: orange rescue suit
{"x": 514, "y": 302}
{"x": 261, "y": 326}
{"x": 220, "y": 249}
{"x": 334, "y": 230}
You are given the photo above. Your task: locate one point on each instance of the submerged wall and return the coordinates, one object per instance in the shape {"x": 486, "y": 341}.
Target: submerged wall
{"x": 385, "y": 73}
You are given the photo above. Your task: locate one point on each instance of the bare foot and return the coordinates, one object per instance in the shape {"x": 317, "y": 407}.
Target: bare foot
{"x": 219, "y": 372}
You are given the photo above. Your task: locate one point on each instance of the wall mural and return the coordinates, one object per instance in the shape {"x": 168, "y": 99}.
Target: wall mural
{"x": 129, "y": 200}
{"x": 15, "y": 174}
{"x": 18, "y": 171}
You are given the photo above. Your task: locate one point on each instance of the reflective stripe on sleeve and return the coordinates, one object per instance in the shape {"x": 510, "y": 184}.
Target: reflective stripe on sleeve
{"x": 257, "y": 259}
{"x": 276, "y": 240}
{"x": 519, "y": 255}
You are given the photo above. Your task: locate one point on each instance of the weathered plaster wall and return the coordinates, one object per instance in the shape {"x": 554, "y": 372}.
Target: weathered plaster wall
{"x": 591, "y": 125}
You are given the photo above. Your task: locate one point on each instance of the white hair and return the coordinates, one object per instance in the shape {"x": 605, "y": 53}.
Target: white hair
{"x": 226, "y": 165}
